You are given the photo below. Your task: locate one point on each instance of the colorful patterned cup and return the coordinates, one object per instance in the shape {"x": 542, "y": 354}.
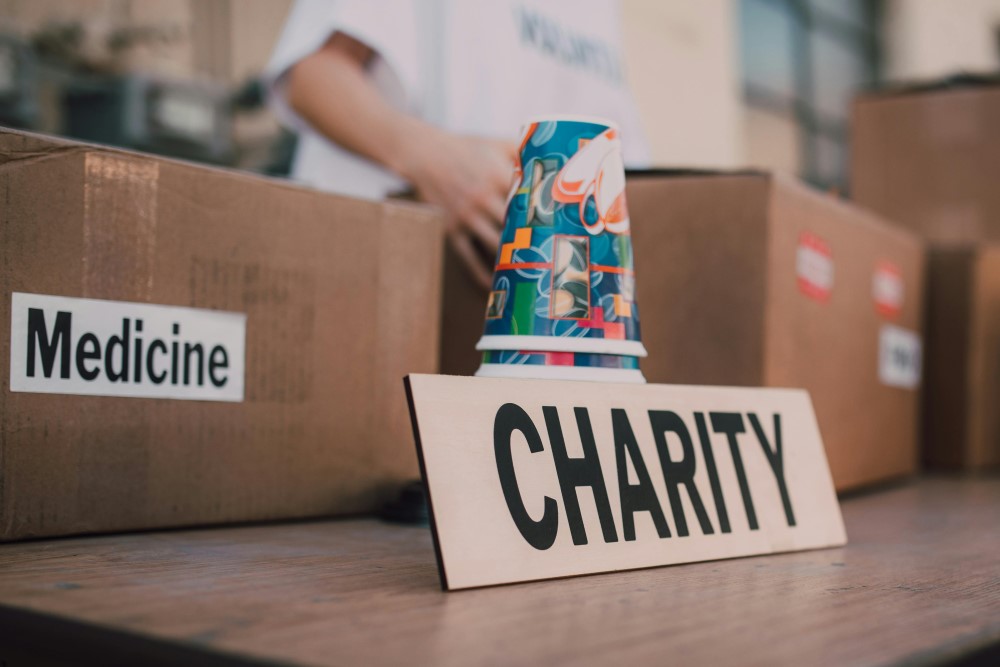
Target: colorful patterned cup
{"x": 564, "y": 281}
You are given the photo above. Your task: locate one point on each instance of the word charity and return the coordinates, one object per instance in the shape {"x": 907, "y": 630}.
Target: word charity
{"x": 678, "y": 472}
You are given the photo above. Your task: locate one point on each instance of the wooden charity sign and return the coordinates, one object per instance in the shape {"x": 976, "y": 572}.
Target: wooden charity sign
{"x": 535, "y": 479}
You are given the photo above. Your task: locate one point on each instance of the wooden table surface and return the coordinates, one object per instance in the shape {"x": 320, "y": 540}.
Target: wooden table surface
{"x": 918, "y": 584}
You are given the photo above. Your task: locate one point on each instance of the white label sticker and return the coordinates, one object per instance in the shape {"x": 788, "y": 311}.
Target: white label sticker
{"x": 63, "y": 345}
{"x": 899, "y": 357}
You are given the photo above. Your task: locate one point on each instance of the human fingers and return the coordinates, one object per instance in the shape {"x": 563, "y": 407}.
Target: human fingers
{"x": 495, "y": 207}
{"x": 483, "y": 229}
{"x": 492, "y": 199}
{"x": 508, "y": 149}
{"x": 471, "y": 259}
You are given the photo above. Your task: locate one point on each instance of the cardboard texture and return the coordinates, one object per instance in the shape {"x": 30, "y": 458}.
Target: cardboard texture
{"x": 734, "y": 290}
{"x": 961, "y": 420}
{"x": 928, "y": 158}
{"x": 340, "y": 298}
{"x": 535, "y": 479}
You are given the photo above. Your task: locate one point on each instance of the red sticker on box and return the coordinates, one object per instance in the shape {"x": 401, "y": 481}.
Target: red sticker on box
{"x": 887, "y": 289}
{"x": 814, "y": 267}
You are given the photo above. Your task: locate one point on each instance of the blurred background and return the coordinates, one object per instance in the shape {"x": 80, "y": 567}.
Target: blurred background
{"x": 720, "y": 83}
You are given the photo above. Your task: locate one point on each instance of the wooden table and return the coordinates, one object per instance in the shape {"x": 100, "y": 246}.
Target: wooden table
{"x": 918, "y": 584}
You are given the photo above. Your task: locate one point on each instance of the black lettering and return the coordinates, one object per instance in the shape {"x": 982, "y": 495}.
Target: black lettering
{"x": 529, "y": 27}
{"x": 83, "y": 355}
{"x": 639, "y": 497}
{"x": 576, "y": 472}
{"x": 174, "y": 356}
{"x": 550, "y": 38}
{"x": 713, "y": 473}
{"x": 776, "y": 459}
{"x": 138, "y": 352}
{"x": 61, "y": 334}
{"x": 157, "y": 378}
{"x": 677, "y": 473}
{"x": 509, "y": 418}
{"x": 213, "y": 364}
{"x": 188, "y": 349}
{"x": 121, "y": 342}
{"x": 731, "y": 423}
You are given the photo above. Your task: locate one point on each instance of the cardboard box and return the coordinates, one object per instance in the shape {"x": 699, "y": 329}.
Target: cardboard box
{"x": 753, "y": 280}
{"x": 928, "y": 158}
{"x": 322, "y": 302}
{"x": 961, "y": 416}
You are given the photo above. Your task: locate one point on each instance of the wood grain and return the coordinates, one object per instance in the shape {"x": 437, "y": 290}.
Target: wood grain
{"x": 919, "y": 583}
{"x": 767, "y": 497}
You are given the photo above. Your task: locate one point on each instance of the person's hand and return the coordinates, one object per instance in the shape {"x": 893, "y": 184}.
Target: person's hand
{"x": 469, "y": 177}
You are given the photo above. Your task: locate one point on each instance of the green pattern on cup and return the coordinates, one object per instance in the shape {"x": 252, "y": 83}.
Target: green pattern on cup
{"x": 524, "y": 308}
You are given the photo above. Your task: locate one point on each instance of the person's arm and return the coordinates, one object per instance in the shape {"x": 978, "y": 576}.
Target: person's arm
{"x": 467, "y": 176}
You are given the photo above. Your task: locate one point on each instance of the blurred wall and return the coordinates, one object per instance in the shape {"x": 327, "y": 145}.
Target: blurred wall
{"x": 224, "y": 40}
{"x": 234, "y": 38}
{"x": 934, "y": 38}
{"x": 681, "y": 59}
{"x": 227, "y": 42}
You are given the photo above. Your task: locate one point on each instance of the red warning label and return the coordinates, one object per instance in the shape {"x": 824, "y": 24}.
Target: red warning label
{"x": 814, "y": 267}
{"x": 887, "y": 289}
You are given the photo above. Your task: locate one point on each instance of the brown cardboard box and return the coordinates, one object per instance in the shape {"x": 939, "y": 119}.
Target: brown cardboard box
{"x": 961, "y": 415}
{"x": 340, "y": 299}
{"x": 928, "y": 158}
{"x": 722, "y": 303}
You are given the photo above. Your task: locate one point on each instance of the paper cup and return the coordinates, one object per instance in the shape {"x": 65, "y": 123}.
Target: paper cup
{"x": 564, "y": 279}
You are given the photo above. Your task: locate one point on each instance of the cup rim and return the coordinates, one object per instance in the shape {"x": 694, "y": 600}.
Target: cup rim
{"x": 632, "y": 348}
{"x": 569, "y": 373}
{"x": 578, "y": 118}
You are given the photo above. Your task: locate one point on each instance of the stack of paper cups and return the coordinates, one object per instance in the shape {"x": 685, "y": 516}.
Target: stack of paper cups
{"x": 563, "y": 299}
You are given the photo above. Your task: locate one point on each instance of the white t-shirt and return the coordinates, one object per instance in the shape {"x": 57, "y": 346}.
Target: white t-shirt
{"x": 477, "y": 67}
